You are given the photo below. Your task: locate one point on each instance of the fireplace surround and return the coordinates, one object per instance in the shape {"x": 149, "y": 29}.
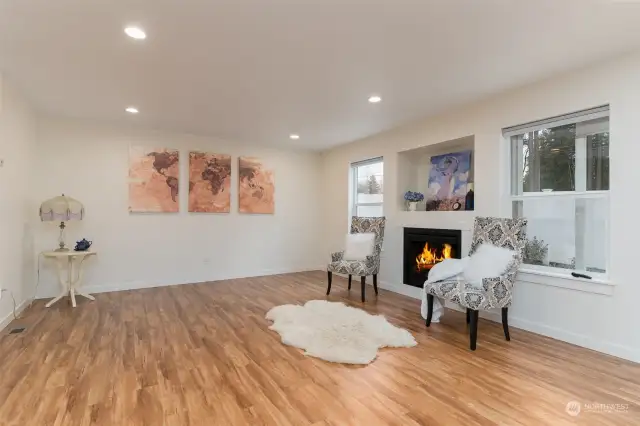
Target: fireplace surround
{"x": 418, "y": 258}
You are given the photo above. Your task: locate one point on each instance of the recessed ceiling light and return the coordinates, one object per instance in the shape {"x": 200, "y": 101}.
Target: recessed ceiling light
{"x": 132, "y": 110}
{"x": 294, "y": 136}
{"x": 375, "y": 99}
{"x": 135, "y": 32}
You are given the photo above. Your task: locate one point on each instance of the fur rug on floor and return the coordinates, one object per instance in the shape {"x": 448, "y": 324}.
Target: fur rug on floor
{"x": 336, "y": 332}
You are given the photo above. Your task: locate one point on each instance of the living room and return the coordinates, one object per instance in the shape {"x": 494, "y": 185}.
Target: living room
{"x": 597, "y": 303}
{"x": 185, "y": 253}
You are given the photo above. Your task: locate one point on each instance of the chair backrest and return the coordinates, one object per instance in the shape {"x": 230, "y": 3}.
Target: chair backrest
{"x": 361, "y": 225}
{"x": 508, "y": 233}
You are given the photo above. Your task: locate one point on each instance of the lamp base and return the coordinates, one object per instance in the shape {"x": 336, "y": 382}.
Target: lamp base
{"x": 62, "y": 249}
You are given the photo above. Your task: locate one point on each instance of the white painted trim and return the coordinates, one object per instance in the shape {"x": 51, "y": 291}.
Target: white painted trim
{"x": 563, "y": 120}
{"x": 19, "y": 309}
{"x": 582, "y": 340}
{"x": 404, "y": 289}
{"x": 571, "y": 194}
{"x": 562, "y": 335}
{"x": 135, "y": 285}
{"x": 596, "y": 286}
{"x": 353, "y": 177}
{"x": 580, "y": 164}
{"x": 462, "y": 220}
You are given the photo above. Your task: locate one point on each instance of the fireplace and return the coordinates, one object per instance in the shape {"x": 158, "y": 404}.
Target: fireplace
{"x": 425, "y": 247}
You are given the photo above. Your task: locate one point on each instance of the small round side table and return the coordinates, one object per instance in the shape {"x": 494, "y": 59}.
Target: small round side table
{"x": 69, "y": 265}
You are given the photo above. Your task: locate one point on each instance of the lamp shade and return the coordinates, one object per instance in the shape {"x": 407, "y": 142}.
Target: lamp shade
{"x": 61, "y": 209}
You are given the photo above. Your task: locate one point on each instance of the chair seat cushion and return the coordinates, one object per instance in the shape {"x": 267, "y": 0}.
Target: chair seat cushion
{"x": 461, "y": 292}
{"x": 351, "y": 267}
{"x": 492, "y": 294}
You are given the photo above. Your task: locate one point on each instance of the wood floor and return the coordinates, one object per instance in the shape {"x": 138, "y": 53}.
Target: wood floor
{"x": 202, "y": 355}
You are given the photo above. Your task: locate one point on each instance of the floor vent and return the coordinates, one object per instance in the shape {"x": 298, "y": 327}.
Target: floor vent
{"x": 17, "y": 330}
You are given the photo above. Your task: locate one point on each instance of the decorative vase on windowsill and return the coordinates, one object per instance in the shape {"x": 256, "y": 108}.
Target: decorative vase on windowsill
{"x": 412, "y": 199}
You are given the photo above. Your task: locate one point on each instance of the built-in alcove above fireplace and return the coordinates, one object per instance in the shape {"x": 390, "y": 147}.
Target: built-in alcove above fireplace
{"x": 423, "y": 248}
{"x": 443, "y": 172}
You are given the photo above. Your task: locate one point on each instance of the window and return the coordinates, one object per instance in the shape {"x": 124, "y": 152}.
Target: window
{"x": 560, "y": 182}
{"x": 368, "y": 187}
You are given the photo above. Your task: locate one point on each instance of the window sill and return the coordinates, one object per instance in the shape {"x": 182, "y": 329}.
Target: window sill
{"x": 553, "y": 279}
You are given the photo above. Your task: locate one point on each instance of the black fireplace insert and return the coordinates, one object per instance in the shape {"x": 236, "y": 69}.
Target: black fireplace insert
{"x": 423, "y": 248}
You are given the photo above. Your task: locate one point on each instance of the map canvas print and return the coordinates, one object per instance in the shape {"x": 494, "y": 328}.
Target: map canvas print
{"x": 153, "y": 179}
{"x": 209, "y": 182}
{"x": 448, "y": 181}
{"x": 256, "y": 186}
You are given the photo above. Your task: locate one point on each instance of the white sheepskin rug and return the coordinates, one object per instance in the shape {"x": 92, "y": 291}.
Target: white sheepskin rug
{"x": 336, "y": 332}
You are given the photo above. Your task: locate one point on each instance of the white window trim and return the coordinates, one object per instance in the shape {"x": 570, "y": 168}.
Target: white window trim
{"x": 545, "y": 275}
{"x": 554, "y": 279}
{"x": 574, "y": 118}
{"x": 354, "y": 185}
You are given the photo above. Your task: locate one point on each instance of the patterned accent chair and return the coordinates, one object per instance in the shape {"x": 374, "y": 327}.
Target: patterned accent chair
{"x": 495, "y": 292}
{"x": 371, "y": 266}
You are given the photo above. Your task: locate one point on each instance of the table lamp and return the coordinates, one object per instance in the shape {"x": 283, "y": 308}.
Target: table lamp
{"x": 63, "y": 209}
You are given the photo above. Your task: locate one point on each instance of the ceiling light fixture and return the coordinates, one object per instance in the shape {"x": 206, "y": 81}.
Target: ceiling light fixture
{"x": 135, "y": 32}
{"x": 294, "y": 136}
{"x": 374, "y": 99}
{"x": 132, "y": 110}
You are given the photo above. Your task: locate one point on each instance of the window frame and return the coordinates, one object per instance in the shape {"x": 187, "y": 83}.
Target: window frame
{"x": 515, "y": 191}
{"x": 353, "y": 175}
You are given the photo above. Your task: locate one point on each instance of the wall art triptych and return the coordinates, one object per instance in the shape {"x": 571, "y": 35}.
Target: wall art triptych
{"x": 154, "y": 182}
{"x": 256, "y": 186}
{"x": 154, "y": 177}
{"x": 209, "y": 182}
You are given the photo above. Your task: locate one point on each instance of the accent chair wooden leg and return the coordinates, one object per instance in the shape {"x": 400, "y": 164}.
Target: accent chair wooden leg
{"x": 505, "y": 324}
{"x": 473, "y": 335}
{"x": 429, "y": 309}
{"x": 349, "y": 281}
{"x": 468, "y": 315}
{"x": 363, "y": 281}
{"x": 375, "y": 283}
{"x": 329, "y": 276}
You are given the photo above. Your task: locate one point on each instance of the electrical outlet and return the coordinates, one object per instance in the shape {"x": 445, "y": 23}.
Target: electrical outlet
{"x": 2, "y": 290}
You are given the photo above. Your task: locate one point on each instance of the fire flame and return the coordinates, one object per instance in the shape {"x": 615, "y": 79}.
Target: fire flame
{"x": 429, "y": 257}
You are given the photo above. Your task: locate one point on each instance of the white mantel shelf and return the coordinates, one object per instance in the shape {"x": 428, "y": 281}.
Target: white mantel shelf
{"x": 462, "y": 220}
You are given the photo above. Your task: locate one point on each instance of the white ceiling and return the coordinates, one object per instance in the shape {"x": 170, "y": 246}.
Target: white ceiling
{"x": 255, "y": 71}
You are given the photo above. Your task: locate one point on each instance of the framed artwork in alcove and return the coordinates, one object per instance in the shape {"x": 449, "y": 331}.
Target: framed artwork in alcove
{"x": 449, "y": 184}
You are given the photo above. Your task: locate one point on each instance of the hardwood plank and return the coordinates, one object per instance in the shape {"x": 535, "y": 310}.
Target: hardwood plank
{"x": 202, "y": 354}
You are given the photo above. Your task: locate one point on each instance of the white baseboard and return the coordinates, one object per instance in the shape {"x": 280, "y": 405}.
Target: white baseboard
{"x": 407, "y": 290}
{"x": 7, "y": 319}
{"x": 582, "y": 340}
{"x": 139, "y": 284}
{"x": 563, "y": 335}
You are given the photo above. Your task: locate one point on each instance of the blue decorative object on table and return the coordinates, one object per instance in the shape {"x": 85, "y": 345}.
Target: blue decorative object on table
{"x": 83, "y": 245}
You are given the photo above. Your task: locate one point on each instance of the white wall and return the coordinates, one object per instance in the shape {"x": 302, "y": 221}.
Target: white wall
{"x": 17, "y": 140}
{"x": 90, "y": 163}
{"x": 604, "y": 323}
